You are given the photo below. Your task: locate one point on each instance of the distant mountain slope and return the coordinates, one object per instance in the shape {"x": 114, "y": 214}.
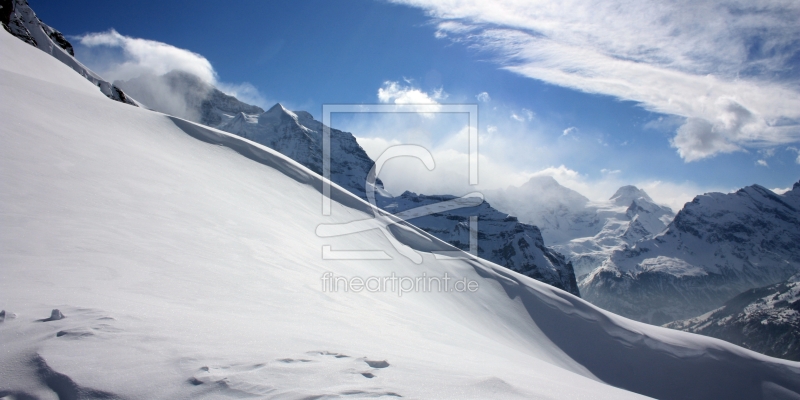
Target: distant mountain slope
{"x": 19, "y": 19}
{"x": 585, "y": 232}
{"x": 184, "y": 95}
{"x": 718, "y": 246}
{"x": 502, "y": 239}
{"x": 765, "y": 319}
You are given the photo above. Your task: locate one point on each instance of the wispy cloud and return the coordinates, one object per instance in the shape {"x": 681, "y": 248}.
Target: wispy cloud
{"x": 796, "y": 150}
{"x": 119, "y": 57}
{"x": 396, "y": 93}
{"x": 569, "y": 131}
{"x": 672, "y": 194}
{"x": 727, "y": 67}
{"x": 483, "y": 97}
{"x": 142, "y": 56}
{"x": 524, "y": 115}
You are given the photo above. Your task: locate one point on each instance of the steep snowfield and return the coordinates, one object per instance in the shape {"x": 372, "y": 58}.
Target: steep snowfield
{"x": 185, "y": 263}
{"x": 297, "y": 135}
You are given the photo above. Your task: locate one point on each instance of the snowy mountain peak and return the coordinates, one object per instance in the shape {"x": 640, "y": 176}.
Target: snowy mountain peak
{"x": 627, "y": 194}
{"x": 544, "y": 181}
{"x": 278, "y": 115}
{"x": 278, "y": 109}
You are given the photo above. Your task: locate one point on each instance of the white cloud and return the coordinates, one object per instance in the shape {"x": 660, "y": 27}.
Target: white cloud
{"x": 610, "y": 171}
{"x": 762, "y": 163}
{"x": 524, "y": 115}
{"x": 723, "y": 65}
{"x": 569, "y": 130}
{"x": 528, "y": 114}
{"x": 141, "y": 56}
{"x": 245, "y": 92}
{"x": 119, "y": 57}
{"x": 781, "y": 190}
{"x": 394, "y": 92}
{"x": 483, "y": 97}
{"x": 796, "y": 150}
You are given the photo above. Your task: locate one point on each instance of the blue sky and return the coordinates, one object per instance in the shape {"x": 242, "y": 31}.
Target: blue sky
{"x": 680, "y": 98}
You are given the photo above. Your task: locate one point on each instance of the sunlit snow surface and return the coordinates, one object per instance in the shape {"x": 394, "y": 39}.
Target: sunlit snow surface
{"x": 186, "y": 264}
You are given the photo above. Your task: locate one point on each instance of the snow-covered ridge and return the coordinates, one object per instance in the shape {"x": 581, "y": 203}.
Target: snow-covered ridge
{"x": 765, "y": 319}
{"x": 718, "y": 246}
{"x": 20, "y": 20}
{"x": 298, "y": 135}
{"x": 185, "y": 270}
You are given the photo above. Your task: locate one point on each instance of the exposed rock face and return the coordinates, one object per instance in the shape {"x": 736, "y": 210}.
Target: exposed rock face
{"x": 501, "y": 239}
{"x": 298, "y": 136}
{"x": 19, "y": 19}
{"x": 765, "y": 319}
{"x": 718, "y": 246}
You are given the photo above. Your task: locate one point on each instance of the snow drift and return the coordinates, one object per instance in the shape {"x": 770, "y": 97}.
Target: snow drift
{"x": 189, "y": 268}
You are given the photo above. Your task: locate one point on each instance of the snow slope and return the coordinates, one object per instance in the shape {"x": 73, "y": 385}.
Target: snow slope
{"x": 20, "y": 20}
{"x": 185, "y": 263}
{"x": 296, "y": 134}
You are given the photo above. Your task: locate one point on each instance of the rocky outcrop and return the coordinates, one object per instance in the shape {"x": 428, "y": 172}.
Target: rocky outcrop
{"x": 19, "y": 19}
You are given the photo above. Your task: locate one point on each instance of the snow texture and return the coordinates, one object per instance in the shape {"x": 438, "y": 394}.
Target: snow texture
{"x": 185, "y": 261}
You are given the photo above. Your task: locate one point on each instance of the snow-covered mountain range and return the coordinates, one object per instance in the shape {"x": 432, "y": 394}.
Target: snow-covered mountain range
{"x": 148, "y": 257}
{"x": 19, "y": 20}
{"x": 502, "y": 239}
{"x": 718, "y": 246}
{"x": 585, "y": 232}
{"x": 765, "y": 319}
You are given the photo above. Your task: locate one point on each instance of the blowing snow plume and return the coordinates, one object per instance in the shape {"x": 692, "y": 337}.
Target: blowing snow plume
{"x": 163, "y": 77}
